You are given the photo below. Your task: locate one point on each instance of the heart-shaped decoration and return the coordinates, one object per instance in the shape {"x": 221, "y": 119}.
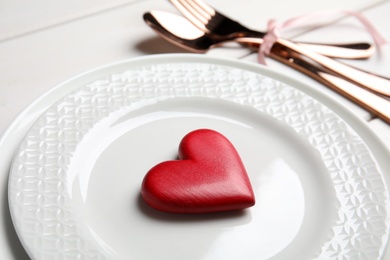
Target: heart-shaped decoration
{"x": 208, "y": 177}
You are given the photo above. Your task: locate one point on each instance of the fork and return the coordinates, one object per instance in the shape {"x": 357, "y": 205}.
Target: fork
{"x": 208, "y": 19}
{"x": 213, "y": 22}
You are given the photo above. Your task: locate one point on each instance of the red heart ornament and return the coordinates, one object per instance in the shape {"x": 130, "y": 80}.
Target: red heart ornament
{"x": 208, "y": 177}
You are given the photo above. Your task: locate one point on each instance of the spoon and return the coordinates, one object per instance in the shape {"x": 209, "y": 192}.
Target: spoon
{"x": 183, "y": 33}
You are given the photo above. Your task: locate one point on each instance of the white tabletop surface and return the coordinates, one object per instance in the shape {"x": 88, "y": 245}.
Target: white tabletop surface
{"x": 43, "y": 43}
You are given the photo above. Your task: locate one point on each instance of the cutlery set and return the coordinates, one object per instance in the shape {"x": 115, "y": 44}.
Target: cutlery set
{"x": 203, "y": 28}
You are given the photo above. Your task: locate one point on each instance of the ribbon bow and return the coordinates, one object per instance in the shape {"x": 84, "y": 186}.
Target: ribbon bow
{"x": 274, "y": 29}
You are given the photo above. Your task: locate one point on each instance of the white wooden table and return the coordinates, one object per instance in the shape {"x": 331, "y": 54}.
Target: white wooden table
{"x": 43, "y": 43}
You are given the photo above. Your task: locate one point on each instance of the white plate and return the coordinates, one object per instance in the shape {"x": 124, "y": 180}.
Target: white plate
{"x": 74, "y": 184}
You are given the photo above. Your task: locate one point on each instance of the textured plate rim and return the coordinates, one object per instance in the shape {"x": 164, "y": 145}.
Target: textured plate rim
{"x": 224, "y": 62}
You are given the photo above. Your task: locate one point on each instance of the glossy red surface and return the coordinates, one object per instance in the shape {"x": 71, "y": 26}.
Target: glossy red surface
{"x": 208, "y": 177}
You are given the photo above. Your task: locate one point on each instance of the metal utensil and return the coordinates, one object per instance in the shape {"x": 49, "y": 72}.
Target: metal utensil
{"x": 193, "y": 36}
{"x": 187, "y": 32}
{"x": 209, "y": 20}
{"x": 172, "y": 21}
{"x": 183, "y": 33}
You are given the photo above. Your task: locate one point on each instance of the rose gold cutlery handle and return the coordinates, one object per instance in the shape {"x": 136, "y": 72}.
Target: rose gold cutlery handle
{"x": 365, "y": 98}
{"x": 362, "y": 78}
{"x": 372, "y": 102}
{"x": 367, "y": 80}
{"x": 343, "y": 51}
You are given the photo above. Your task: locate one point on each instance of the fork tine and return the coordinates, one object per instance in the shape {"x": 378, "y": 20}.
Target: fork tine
{"x": 199, "y": 9}
{"x": 186, "y": 10}
{"x": 208, "y": 19}
{"x": 205, "y": 7}
{"x": 194, "y": 10}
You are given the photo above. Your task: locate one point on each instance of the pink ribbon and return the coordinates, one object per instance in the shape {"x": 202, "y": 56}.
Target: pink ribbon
{"x": 274, "y": 28}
